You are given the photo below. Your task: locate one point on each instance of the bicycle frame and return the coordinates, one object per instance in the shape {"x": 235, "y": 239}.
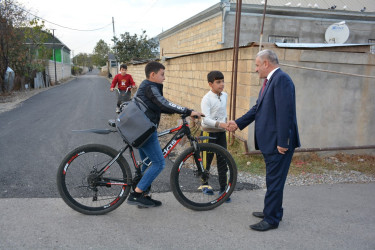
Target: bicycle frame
{"x": 181, "y": 131}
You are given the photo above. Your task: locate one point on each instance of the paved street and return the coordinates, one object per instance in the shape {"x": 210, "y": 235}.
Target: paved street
{"x": 339, "y": 216}
{"x": 36, "y": 136}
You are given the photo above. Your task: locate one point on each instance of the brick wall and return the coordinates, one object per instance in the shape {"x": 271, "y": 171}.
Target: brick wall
{"x": 186, "y": 78}
{"x": 201, "y": 37}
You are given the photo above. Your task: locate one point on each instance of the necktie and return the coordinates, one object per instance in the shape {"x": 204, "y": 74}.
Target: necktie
{"x": 264, "y": 86}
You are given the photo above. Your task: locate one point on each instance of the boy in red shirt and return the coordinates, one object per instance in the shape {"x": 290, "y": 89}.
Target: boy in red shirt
{"x": 125, "y": 83}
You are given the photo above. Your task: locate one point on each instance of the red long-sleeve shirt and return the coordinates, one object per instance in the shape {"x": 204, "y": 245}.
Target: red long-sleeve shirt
{"x": 123, "y": 81}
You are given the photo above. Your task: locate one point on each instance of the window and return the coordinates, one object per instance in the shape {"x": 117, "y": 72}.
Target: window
{"x": 372, "y": 47}
{"x": 113, "y": 64}
{"x": 282, "y": 39}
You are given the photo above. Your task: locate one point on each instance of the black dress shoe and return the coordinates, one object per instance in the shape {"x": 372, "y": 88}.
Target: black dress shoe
{"x": 258, "y": 214}
{"x": 263, "y": 226}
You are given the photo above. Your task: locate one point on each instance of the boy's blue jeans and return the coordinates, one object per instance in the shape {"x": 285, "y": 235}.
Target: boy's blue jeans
{"x": 152, "y": 150}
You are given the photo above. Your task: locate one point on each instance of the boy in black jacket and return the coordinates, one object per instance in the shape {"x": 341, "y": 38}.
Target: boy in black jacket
{"x": 151, "y": 92}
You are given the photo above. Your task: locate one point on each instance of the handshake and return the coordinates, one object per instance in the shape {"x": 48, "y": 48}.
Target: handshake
{"x": 230, "y": 126}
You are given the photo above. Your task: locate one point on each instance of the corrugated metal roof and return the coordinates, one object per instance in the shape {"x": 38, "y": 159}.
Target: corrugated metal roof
{"x": 351, "y": 5}
{"x": 316, "y": 45}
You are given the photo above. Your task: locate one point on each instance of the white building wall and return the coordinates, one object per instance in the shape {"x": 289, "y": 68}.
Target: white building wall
{"x": 63, "y": 71}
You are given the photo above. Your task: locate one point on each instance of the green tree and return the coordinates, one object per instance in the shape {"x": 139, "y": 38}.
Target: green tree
{"x": 35, "y": 37}
{"x": 100, "y": 55}
{"x": 134, "y": 47}
{"x": 11, "y": 39}
{"x": 83, "y": 59}
{"x": 22, "y": 41}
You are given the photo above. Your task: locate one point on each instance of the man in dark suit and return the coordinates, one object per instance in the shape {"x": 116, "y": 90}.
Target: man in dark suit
{"x": 276, "y": 133}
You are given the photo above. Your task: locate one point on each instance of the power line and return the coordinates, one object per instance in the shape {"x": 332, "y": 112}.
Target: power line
{"x": 62, "y": 25}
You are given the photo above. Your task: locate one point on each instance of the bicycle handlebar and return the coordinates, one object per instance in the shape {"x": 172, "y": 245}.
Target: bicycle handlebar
{"x": 127, "y": 89}
{"x": 185, "y": 115}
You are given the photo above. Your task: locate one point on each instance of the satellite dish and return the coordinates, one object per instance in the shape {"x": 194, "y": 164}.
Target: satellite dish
{"x": 337, "y": 33}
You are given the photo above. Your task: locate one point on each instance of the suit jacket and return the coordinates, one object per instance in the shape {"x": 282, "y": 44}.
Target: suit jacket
{"x": 275, "y": 115}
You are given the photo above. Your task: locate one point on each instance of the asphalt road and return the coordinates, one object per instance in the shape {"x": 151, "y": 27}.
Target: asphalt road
{"x": 36, "y": 136}
{"x": 339, "y": 217}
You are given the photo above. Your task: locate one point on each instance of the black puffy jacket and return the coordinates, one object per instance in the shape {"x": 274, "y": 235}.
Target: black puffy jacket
{"x": 151, "y": 93}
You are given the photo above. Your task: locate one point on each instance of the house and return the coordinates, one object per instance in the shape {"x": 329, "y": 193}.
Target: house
{"x": 112, "y": 66}
{"x": 59, "y": 65}
{"x": 287, "y": 21}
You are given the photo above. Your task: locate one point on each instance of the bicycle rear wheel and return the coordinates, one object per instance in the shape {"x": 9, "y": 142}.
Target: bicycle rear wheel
{"x": 188, "y": 181}
{"x": 88, "y": 192}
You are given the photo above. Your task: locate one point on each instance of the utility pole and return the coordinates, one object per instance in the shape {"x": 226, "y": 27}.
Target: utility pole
{"x": 54, "y": 54}
{"x": 261, "y": 31}
{"x": 233, "y": 90}
{"x": 114, "y": 35}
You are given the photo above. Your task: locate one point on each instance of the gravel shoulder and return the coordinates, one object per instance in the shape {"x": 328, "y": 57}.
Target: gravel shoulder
{"x": 332, "y": 177}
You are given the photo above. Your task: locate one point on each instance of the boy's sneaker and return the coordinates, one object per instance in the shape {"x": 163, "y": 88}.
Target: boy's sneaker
{"x": 228, "y": 200}
{"x": 156, "y": 202}
{"x": 117, "y": 110}
{"x": 208, "y": 191}
{"x": 140, "y": 200}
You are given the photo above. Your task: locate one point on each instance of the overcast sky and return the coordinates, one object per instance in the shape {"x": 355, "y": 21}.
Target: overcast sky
{"x": 133, "y": 16}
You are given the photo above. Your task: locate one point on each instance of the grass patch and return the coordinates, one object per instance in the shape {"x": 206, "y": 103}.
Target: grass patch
{"x": 313, "y": 163}
{"x": 253, "y": 164}
{"x": 302, "y": 163}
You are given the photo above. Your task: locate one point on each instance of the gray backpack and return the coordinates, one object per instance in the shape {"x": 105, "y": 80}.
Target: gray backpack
{"x": 133, "y": 124}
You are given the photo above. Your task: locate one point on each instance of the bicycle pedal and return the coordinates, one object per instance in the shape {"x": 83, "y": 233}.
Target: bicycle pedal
{"x": 204, "y": 186}
{"x": 112, "y": 123}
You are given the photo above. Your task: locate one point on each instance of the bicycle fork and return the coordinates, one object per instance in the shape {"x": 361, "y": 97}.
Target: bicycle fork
{"x": 201, "y": 171}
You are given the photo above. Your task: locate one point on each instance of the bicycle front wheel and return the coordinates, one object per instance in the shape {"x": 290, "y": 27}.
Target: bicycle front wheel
{"x": 85, "y": 188}
{"x": 203, "y": 190}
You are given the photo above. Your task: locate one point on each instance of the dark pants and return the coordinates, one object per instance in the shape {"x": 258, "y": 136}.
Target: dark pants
{"x": 123, "y": 96}
{"x": 277, "y": 167}
{"x": 220, "y": 139}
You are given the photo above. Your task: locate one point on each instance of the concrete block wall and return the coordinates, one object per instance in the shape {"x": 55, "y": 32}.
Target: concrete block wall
{"x": 201, "y": 37}
{"x": 63, "y": 71}
{"x": 333, "y": 109}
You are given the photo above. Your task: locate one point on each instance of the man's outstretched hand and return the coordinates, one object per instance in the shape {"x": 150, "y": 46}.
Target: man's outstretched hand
{"x": 232, "y": 126}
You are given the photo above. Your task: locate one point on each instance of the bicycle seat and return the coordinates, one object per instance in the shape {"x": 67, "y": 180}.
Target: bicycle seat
{"x": 112, "y": 123}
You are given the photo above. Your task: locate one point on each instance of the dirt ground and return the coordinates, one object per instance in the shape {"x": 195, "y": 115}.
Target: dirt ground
{"x": 11, "y": 100}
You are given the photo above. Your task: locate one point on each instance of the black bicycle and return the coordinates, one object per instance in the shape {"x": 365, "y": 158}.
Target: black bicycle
{"x": 95, "y": 179}
{"x": 122, "y": 96}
